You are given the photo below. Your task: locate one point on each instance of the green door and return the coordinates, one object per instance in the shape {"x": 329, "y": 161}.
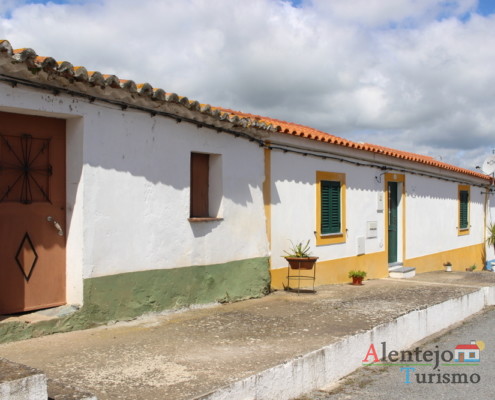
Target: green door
{"x": 392, "y": 222}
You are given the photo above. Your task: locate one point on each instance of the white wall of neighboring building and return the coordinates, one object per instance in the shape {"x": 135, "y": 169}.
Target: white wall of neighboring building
{"x": 128, "y": 190}
{"x": 430, "y": 219}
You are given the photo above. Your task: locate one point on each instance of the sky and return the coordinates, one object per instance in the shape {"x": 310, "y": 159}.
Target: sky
{"x": 415, "y": 75}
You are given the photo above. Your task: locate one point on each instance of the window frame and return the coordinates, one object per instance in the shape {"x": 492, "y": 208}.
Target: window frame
{"x": 205, "y": 187}
{"x": 332, "y": 237}
{"x": 199, "y": 185}
{"x": 461, "y": 228}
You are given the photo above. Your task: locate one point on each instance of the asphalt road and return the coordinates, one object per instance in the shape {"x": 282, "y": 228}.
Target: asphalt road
{"x": 450, "y": 380}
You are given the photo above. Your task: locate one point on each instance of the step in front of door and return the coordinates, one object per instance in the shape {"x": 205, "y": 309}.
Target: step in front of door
{"x": 402, "y": 272}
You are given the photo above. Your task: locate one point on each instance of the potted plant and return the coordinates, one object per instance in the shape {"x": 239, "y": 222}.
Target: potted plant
{"x": 491, "y": 235}
{"x": 490, "y": 240}
{"x": 357, "y": 276}
{"x": 448, "y": 266}
{"x": 299, "y": 256}
{"x": 471, "y": 268}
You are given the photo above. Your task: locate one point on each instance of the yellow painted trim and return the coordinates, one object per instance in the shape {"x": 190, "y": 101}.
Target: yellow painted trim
{"x": 336, "y": 271}
{"x": 465, "y": 231}
{"x": 461, "y": 259}
{"x": 393, "y": 177}
{"x": 375, "y": 264}
{"x": 485, "y": 221}
{"x": 333, "y": 238}
{"x": 267, "y": 195}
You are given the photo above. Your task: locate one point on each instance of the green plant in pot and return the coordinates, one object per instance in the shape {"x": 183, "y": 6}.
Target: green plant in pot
{"x": 357, "y": 276}
{"x": 448, "y": 266}
{"x": 299, "y": 256}
{"x": 491, "y": 235}
{"x": 490, "y": 240}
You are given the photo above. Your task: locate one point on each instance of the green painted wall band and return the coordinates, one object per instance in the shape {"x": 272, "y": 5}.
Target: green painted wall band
{"x": 126, "y": 296}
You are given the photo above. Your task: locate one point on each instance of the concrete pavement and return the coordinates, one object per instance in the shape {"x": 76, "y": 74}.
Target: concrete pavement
{"x": 276, "y": 347}
{"x": 473, "y": 380}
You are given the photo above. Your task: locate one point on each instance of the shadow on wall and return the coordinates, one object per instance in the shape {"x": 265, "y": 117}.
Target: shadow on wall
{"x": 159, "y": 149}
{"x": 302, "y": 170}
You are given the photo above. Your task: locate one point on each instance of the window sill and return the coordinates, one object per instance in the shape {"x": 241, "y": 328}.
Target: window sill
{"x": 204, "y": 219}
{"x": 329, "y": 235}
{"x": 330, "y": 238}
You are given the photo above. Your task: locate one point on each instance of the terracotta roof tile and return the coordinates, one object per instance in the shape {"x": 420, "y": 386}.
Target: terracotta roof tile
{"x": 112, "y": 81}
{"x": 128, "y": 85}
{"x": 67, "y": 71}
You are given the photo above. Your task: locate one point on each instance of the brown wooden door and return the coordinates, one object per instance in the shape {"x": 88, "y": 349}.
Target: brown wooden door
{"x": 32, "y": 212}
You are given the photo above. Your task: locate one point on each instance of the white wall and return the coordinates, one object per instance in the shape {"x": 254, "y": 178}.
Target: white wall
{"x": 294, "y": 205}
{"x": 128, "y": 190}
{"x": 431, "y": 209}
{"x": 137, "y": 196}
{"x": 490, "y": 253}
{"x": 432, "y": 212}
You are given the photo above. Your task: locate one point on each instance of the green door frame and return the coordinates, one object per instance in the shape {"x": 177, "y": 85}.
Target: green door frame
{"x": 393, "y": 205}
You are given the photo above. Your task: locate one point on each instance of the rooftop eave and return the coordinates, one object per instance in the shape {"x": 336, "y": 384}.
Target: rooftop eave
{"x": 25, "y": 64}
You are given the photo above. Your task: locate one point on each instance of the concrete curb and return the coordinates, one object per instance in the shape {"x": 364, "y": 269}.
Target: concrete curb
{"x": 20, "y": 382}
{"x": 325, "y": 366}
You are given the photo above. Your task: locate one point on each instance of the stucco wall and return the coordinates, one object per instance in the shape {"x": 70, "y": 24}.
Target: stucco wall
{"x": 294, "y": 206}
{"x": 136, "y": 201}
{"x": 432, "y": 213}
{"x": 428, "y": 218}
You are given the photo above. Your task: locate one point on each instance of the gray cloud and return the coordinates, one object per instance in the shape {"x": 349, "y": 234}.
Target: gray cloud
{"x": 411, "y": 74}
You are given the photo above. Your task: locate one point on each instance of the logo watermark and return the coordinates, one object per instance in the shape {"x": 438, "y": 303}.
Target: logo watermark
{"x": 409, "y": 360}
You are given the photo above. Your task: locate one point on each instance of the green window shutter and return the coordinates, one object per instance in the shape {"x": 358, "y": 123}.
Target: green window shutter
{"x": 463, "y": 217}
{"x": 330, "y": 207}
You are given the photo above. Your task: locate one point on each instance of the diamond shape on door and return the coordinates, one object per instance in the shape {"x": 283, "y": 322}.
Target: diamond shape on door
{"x": 26, "y": 257}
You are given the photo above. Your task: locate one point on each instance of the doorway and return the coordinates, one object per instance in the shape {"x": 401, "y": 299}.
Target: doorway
{"x": 32, "y": 213}
{"x": 393, "y": 205}
{"x": 394, "y": 221}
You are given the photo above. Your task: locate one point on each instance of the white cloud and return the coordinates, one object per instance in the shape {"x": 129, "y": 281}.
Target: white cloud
{"x": 374, "y": 13}
{"x": 411, "y": 74}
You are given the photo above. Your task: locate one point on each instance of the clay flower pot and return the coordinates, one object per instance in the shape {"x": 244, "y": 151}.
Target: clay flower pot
{"x": 301, "y": 262}
{"x": 357, "y": 277}
{"x": 357, "y": 280}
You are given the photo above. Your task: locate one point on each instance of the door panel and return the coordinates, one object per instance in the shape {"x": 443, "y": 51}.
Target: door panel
{"x": 392, "y": 222}
{"x": 32, "y": 189}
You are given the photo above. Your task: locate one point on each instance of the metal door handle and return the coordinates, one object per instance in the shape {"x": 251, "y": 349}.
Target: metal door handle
{"x": 56, "y": 225}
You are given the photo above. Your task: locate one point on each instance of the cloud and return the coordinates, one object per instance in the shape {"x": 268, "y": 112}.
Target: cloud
{"x": 411, "y": 74}
{"x": 376, "y": 13}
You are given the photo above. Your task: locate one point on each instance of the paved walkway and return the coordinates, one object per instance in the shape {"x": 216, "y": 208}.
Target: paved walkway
{"x": 189, "y": 354}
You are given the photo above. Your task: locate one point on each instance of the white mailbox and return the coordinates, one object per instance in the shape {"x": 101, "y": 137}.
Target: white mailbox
{"x": 371, "y": 229}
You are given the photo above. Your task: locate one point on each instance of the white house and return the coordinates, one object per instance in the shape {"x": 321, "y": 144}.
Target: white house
{"x": 123, "y": 198}
{"x": 96, "y": 201}
{"x": 396, "y": 208}
{"x": 467, "y": 352}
